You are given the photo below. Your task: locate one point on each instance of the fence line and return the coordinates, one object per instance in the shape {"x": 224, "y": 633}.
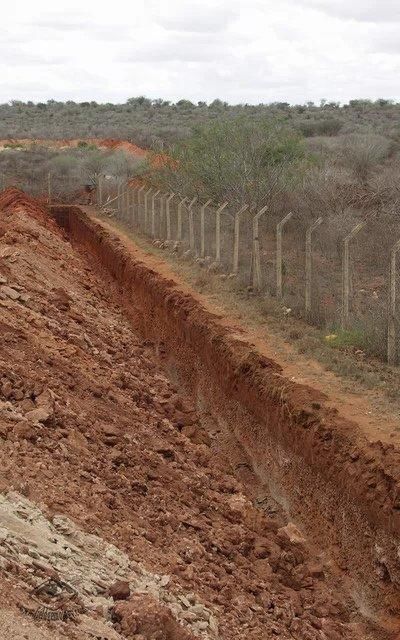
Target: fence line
{"x": 256, "y": 263}
{"x": 305, "y": 276}
{"x": 202, "y": 227}
{"x": 236, "y": 245}
{"x": 308, "y": 269}
{"x": 279, "y": 256}
{"x": 391, "y": 344}
{"x": 239, "y": 253}
{"x": 346, "y": 273}
{"x": 330, "y": 280}
{"x": 218, "y": 232}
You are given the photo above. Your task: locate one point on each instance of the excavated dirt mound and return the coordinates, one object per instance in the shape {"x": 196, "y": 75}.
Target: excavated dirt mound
{"x": 91, "y": 428}
{"x": 13, "y": 199}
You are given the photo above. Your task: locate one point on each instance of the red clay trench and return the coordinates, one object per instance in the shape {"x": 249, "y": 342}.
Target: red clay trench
{"x": 343, "y": 490}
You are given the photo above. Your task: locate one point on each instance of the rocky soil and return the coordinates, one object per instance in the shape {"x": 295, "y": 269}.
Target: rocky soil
{"x": 117, "y": 518}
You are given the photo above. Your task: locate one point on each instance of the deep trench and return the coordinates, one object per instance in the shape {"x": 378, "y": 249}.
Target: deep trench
{"x": 297, "y": 459}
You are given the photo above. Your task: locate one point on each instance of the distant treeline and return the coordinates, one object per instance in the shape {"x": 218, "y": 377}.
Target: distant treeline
{"x": 157, "y": 123}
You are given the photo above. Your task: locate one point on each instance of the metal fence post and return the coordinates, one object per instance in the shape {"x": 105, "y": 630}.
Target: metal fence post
{"x": 218, "y": 232}
{"x": 131, "y": 205}
{"x": 191, "y": 224}
{"x": 119, "y": 199}
{"x": 236, "y": 239}
{"x": 146, "y": 209}
{"x": 202, "y": 228}
{"x": 391, "y": 336}
{"x": 100, "y": 191}
{"x": 125, "y": 201}
{"x": 168, "y": 215}
{"x": 153, "y": 213}
{"x": 256, "y": 262}
{"x": 49, "y": 187}
{"x": 162, "y": 212}
{"x": 346, "y": 274}
{"x": 139, "y": 204}
{"x": 308, "y": 269}
{"x": 279, "y": 228}
{"x": 179, "y": 225}
{"x": 133, "y": 210}
{"x": 127, "y": 205}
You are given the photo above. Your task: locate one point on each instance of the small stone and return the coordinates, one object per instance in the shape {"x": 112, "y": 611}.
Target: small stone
{"x": 3, "y": 534}
{"x": 200, "y": 612}
{"x": 6, "y": 389}
{"x": 38, "y": 415}
{"x": 213, "y": 624}
{"x": 188, "y": 616}
{"x": 202, "y": 625}
{"x": 15, "y": 416}
{"x": 184, "y": 601}
{"x": 164, "y": 581}
{"x": 291, "y": 533}
{"x": 27, "y": 405}
{"x": 6, "y": 252}
{"x": 10, "y": 292}
{"x": 316, "y": 570}
{"x": 120, "y": 590}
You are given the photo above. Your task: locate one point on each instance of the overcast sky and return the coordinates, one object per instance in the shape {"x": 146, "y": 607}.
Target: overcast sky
{"x": 237, "y": 50}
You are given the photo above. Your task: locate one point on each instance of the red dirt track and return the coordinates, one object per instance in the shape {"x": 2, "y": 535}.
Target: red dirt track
{"x": 106, "y": 143}
{"x": 154, "y": 424}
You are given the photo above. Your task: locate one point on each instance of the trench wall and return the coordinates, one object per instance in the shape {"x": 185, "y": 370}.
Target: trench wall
{"x": 318, "y": 464}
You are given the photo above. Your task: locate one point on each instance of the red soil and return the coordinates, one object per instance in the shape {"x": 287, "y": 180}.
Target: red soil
{"x": 13, "y": 199}
{"x": 106, "y": 143}
{"x": 92, "y": 427}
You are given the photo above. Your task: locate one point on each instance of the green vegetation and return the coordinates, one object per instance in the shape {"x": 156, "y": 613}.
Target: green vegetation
{"x": 237, "y": 160}
{"x": 346, "y": 338}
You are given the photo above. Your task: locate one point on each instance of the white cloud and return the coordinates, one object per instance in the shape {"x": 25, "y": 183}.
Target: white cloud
{"x": 195, "y": 16}
{"x": 373, "y": 11}
{"x": 239, "y": 50}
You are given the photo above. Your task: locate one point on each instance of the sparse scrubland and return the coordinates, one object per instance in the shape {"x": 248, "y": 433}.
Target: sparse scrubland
{"x": 338, "y": 162}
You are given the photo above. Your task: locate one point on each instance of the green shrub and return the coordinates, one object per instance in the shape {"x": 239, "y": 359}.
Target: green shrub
{"x": 326, "y": 127}
{"x": 238, "y": 159}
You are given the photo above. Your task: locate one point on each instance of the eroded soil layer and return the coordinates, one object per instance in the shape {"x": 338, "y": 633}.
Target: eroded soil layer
{"x": 317, "y": 464}
{"x": 117, "y": 516}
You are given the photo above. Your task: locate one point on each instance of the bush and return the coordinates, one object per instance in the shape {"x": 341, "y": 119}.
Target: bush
{"x": 238, "y": 160}
{"x": 362, "y": 153}
{"x": 326, "y": 127}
